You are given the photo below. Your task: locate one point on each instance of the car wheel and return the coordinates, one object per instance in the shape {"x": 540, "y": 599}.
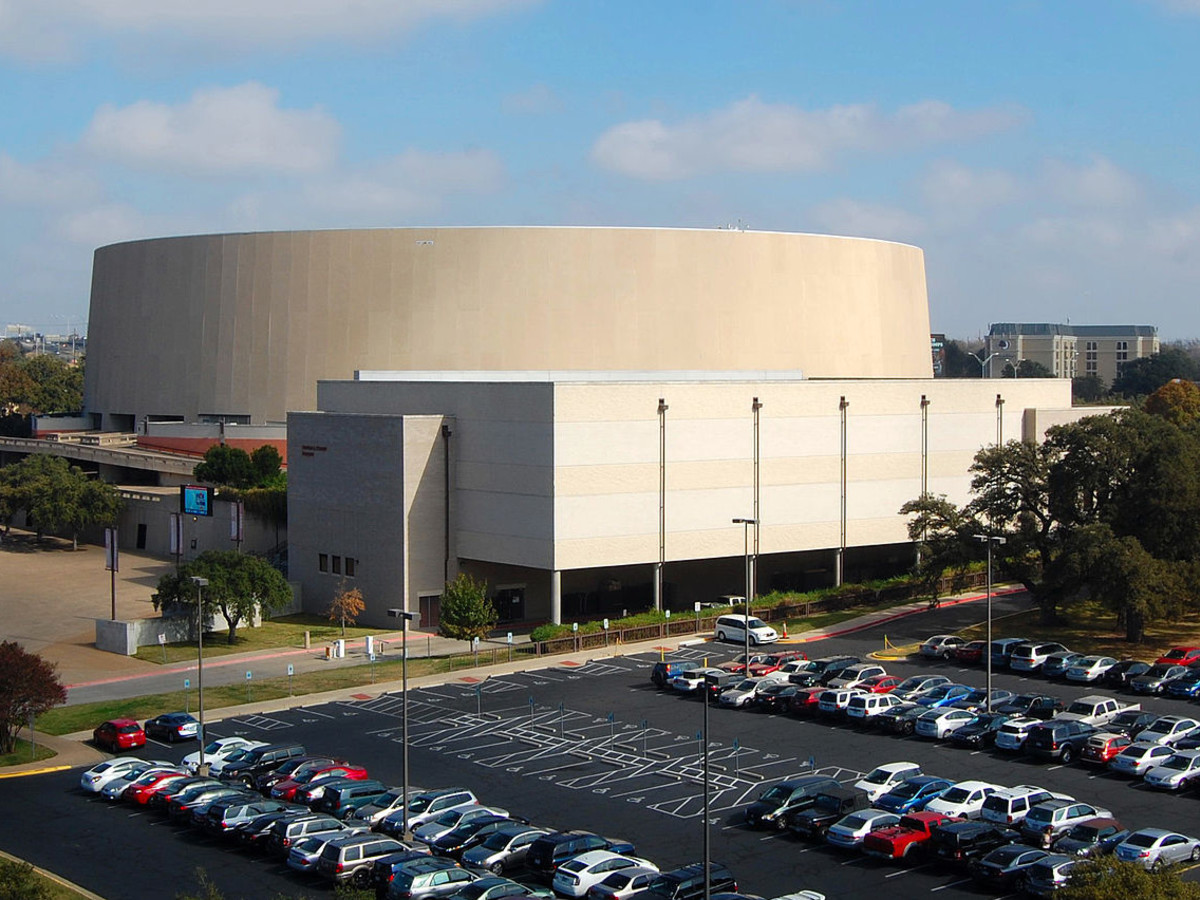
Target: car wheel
{"x": 721, "y": 636}
{"x": 1067, "y": 755}
{"x": 1157, "y": 865}
{"x": 908, "y": 728}
{"x": 496, "y": 868}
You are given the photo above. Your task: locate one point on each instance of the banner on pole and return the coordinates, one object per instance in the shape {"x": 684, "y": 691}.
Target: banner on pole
{"x": 111, "y": 554}
{"x": 237, "y": 517}
{"x": 176, "y": 534}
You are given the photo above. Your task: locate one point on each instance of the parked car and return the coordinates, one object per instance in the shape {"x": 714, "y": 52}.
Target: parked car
{"x": 733, "y": 627}
{"x": 148, "y": 783}
{"x": 913, "y": 794}
{"x": 849, "y": 831}
{"x": 550, "y": 851}
{"x": 958, "y": 843}
{"x": 1058, "y": 664}
{"x": 1178, "y": 771}
{"x": 912, "y": 834}
{"x": 1090, "y": 668}
{"x": 1185, "y": 686}
{"x": 804, "y": 702}
{"x": 383, "y": 805}
{"x": 1005, "y": 866}
{"x": 863, "y": 707}
{"x": 1094, "y": 837}
{"x": 1010, "y": 806}
{"x": 821, "y": 671}
{"x": 941, "y": 723}
{"x": 1054, "y": 818}
{"x": 775, "y": 698}
{"x": 306, "y": 777}
{"x": 1131, "y": 722}
{"x": 687, "y": 883}
{"x": 1125, "y": 669}
{"x": 737, "y": 665}
{"x": 576, "y": 876}
{"x": 1002, "y": 651}
{"x": 1181, "y": 656}
{"x": 1013, "y": 733}
{"x": 916, "y": 685}
{"x": 1031, "y": 706}
{"x": 303, "y": 855}
{"x": 422, "y": 879}
{"x": 1049, "y": 874}
{"x": 504, "y": 849}
{"x": 1058, "y": 740}
{"x": 1031, "y": 655}
{"x": 774, "y": 802}
{"x": 883, "y": 778}
{"x": 116, "y": 735}
{"x": 1102, "y": 747}
{"x": 344, "y": 796}
{"x": 943, "y": 695}
{"x": 879, "y": 684}
{"x": 350, "y": 859}
{"x": 830, "y": 806}
{"x": 452, "y": 818}
{"x": 95, "y": 778}
{"x": 941, "y": 646}
{"x": 977, "y": 699}
{"x": 424, "y": 807}
{"x": 1168, "y": 729}
{"x": 1139, "y": 757}
{"x": 716, "y": 683}
{"x": 224, "y": 817}
{"x": 980, "y": 732}
{"x": 970, "y": 653}
{"x": 455, "y": 843}
{"x": 1154, "y": 679}
{"x": 853, "y": 676}
{"x": 172, "y": 727}
{"x": 259, "y": 761}
{"x": 623, "y": 884}
{"x": 834, "y": 701}
{"x": 217, "y": 752}
{"x": 900, "y": 719}
{"x": 773, "y": 662}
{"x": 664, "y": 670}
{"x": 692, "y": 681}
{"x": 741, "y": 694}
{"x": 495, "y": 887}
{"x": 964, "y": 800}
{"x": 1154, "y": 848}
{"x": 285, "y": 832}
{"x": 290, "y": 768}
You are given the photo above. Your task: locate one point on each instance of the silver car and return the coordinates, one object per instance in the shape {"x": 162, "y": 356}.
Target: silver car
{"x": 452, "y": 818}
{"x": 850, "y": 830}
{"x": 623, "y": 884}
{"x": 1049, "y": 874}
{"x": 1139, "y": 757}
{"x": 382, "y": 807}
{"x": 504, "y": 849}
{"x": 1154, "y": 848}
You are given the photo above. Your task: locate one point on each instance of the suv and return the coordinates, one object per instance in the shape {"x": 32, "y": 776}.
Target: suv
{"x": 287, "y": 832}
{"x": 425, "y": 807}
{"x": 1002, "y": 651}
{"x": 503, "y": 849}
{"x": 1010, "y": 806}
{"x": 260, "y": 761}
{"x": 343, "y": 796}
{"x": 1058, "y": 740}
{"x": 548, "y": 852}
{"x": 829, "y": 806}
{"x": 350, "y": 858}
{"x": 773, "y": 803}
{"x": 733, "y": 627}
{"x": 1031, "y": 655}
{"x": 958, "y": 843}
{"x": 822, "y": 671}
{"x": 687, "y": 883}
{"x": 1032, "y": 706}
{"x": 666, "y": 669}
{"x": 421, "y": 878}
{"x": 1054, "y": 818}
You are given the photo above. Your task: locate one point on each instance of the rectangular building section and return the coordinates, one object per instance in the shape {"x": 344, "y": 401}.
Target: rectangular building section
{"x": 1068, "y": 351}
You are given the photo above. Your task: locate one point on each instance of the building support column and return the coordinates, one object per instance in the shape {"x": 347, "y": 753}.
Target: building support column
{"x": 556, "y": 597}
{"x": 843, "y": 405}
{"x": 662, "y": 504}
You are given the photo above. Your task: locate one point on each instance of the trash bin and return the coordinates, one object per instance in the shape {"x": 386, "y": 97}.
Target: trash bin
{"x": 329, "y": 651}
{"x": 370, "y": 645}
{"x": 339, "y": 648}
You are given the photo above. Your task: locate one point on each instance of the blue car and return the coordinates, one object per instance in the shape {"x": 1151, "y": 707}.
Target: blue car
{"x": 944, "y": 695}
{"x": 1184, "y": 686}
{"x": 913, "y": 794}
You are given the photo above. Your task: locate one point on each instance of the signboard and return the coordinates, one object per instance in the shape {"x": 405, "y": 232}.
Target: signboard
{"x": 111, "y": 553}
{"x": 195, "y": 500}
{"x": 162, "y": 639}
{"x": 238, "y": 514}
{"x": 291, "y": 669}
{"x": 176, "y": 534}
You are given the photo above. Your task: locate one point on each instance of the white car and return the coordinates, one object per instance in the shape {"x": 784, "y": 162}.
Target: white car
{"x": 964, "y": 800}
{"x": 1139, "y": 757}
{"x": 691, "y": 680}
{"x": 883, "y": 778}
{"x": 1167, "y": 729}
{"x": 836, "y": 700}
{"x": 850, "y": 830}
{"x": 217, "y": 753}
{"x": 866, "y": 706}
{"x": 939, "y": 723}
{"x": 115, "y": 789}
{"x": 99, "y": 775}
{"x": 1090, "y": 668}
{"x": 577, "y": 876}
{"x": 741, "y": 693}
{"x": 1013, "y": 733}
{"x": 856, "y": 675}
{"x": 1179, "y": 770}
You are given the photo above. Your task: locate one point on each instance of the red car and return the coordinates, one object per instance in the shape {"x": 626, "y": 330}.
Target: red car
{"x": 879, "y": 684}
{"x": 286, "y": 790}
{"x": 805, "y": 700}
{"x": 1180, "y": 656}
{"x": 971, "y": 652}
{"x": 119, "y": 734}
{"x": 773, "y": 662}
{"x": 147, "y": 786}
{"x": 737, "y": 665}
{"x": 1102, "y": 747}
{"x": 901, "y": 840}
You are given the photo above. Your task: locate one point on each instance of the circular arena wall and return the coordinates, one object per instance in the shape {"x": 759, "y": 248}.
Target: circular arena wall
{"x": 243, "y": 325}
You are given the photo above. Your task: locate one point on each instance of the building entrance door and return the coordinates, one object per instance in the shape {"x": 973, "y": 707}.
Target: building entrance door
{"x": 430, "y": 610}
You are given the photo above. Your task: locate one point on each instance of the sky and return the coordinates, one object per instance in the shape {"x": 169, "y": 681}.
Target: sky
{"x": 1045, "y": 154}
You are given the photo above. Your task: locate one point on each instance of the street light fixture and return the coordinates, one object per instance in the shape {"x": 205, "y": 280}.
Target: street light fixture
{"x": 200, "y": 583}
{"x": 707, "y": 838}
{"x": 405, "y": 617}
{"x": 989, "y": 539}
{"x": 746, "y": 523}
{"x": 983, "y": 362}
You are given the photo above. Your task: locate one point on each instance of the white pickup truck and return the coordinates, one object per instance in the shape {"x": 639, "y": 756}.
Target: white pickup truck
{"x": 1095, "y": 710}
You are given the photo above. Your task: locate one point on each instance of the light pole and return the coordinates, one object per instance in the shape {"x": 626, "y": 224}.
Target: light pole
{"x": 746, "y": 523}
{"x": 983, "y": 362}
{"x": 405, "y": 617}
{"x": 707, "y": 841}
{"x": 989, "y": 539}
{"x": 200, "y": 583}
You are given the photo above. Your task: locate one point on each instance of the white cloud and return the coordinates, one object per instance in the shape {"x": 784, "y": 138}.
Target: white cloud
{"x": 851, "y": 217}
{"x": 1099, "y": 183}
{"x": 43, "y": 183}
{"x": 538, "y": 100}
{"x": 238, "y": 130}
{"x": 949, "y": 185}
{"x": 753, "y": 136}
{"x": 107, "y": 223}
{"x": 53, "y": 30}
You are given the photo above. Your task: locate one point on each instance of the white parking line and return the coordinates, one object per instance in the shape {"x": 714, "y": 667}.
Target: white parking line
{"x": 950, "y": 885}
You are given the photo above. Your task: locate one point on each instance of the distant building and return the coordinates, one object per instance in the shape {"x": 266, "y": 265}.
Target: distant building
{"x": 1068, "y": 350}
{"x": 937, "y": 345}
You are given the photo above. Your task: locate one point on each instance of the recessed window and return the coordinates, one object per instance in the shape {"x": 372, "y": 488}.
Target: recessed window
{"x": 351, "y": 566}
{"x": 337, "y": 565}
{"x": 322, "y": 562}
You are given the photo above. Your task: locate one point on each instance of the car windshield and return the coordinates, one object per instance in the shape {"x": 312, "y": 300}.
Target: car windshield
{"x": 574, "y": 865}
{"x": 1178, "y": 763}
{"x": 1176, "y": 654}
{"x": 779, "y": 792}
{"x": 1042, "y": 814}
{"x": 746, "y": 685}
{"x": 857, "y": 821}
{"x": 129, "y": 729}
{"x": 757, "y": 623}
{"x": 907, "y": 791}
{"x": 1083, "y": 832}
{"x": 1006, "y": 855}
{"x": 879, "y": 776}
{"x": 419, "y": 804}
{"x": 956, "y": 795}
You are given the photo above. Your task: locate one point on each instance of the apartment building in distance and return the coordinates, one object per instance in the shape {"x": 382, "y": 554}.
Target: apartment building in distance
{"x": 1068, "y": 350}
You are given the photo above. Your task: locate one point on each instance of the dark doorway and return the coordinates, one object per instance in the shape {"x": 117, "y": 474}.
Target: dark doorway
{"x": 141, "y": 536}
{"x": 510, "y": 604}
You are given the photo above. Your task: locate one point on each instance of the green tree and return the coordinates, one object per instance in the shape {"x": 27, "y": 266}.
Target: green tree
{"x": 1108, "y": 878}
{"x": 239, "y": 584}
{"x": 225, "y": 465}
{"x": 944, "y": 536}
{"x": 58, "y": 496}
{"x": 466, "y": 612}
{"x": 53, "y": 385}
{"x": 1145, "y": 375}
{"x": 959, "y": 362}
{"x": 267, "y": 464}
{"x": 1177, "y": 401}
{"x": 1088, "y": 389}
{"x": 29, "y": 686}
{"x": 1025, "y": 368}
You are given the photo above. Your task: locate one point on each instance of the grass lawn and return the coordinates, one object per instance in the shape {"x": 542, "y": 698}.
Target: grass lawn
{"x": 281, "y": 632}
{"x": 24, "y": 754}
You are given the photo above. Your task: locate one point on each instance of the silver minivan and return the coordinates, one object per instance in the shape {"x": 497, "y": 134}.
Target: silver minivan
{"x": 349, "y": 859}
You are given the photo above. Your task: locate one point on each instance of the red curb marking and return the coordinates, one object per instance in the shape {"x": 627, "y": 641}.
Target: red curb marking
{"x": 470, "y": 679}
{"x": 567, "y": 662}
{"x": 361, "y": 696}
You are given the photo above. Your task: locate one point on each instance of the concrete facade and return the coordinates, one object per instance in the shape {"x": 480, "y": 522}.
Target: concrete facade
{"x": 1069, "y": 351}
{"x": 554, "y": 477}
{"x": 240, "y": 327}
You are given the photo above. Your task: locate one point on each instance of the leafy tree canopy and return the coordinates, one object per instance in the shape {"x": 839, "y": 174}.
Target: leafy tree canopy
{"x": 1088, "y": 389}
{"x": 238, "y": 585}
{"x": 1177, "y": 401}
{"x": 1144, "y": 375}
{"x": 39, "y": 384}
{"x": 347, "y": 606}
{"x": 466, "y": 612}
{"x": 29, "y": 686}
{"x": 1108, "y": 878}
{"x": 58, "y": 496}
{"x": 233, "y": 467}
{"x": 1026, "y": 368}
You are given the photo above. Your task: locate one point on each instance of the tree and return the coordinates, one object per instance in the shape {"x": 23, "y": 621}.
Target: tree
{"x": 55, "y": 386}
{"x": 225, "y": 465}
{"x": 57, "y": 496}
{"x": 1144, "y": 375}
{"x": 29, "y": 686}
{"x": 1108, "y": 878}
{"x": 239, "y": 584}
{"x": 347, "y": 606}
{"x": 267, "y": 464}
{"x": 465, "y": 611}
{"x": 1177, "y": 401}
{"x": 1025, "y": 368}
{"x": 945, "y": 542}
{"x": 1088, "y": 389}
{"x": 959, "y": 362}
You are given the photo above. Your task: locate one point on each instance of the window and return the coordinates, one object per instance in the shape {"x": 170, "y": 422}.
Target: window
{"x": 337, "y": 565}
{"x": 351, "y": 566}
{"x": 1122, "y": 351}
{"x": 322, "y": 562}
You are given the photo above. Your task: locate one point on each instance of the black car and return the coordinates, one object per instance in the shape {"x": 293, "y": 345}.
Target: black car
{"x": 1033, "y": 706}
{"x": 958, "y": 843}
{"x": 297, "y": 765}
{"x": 900, "y": 719}
{"x": 1125, "y": 671}
{"x": 827, "y": 808}
{"x": 666, "y": 669}
{"x": 1058, "y": 740}
{"x": 259, "y": 761}
{"x": 454, "y": 841}
{"x": 775, "y": 698}
{"x": 1130, "y": 722}
{"x": 172, "y": 727}
{"x": 822, "y": 671}
{"x": 1095, "y": 837}
{"x": 383, "y": 870}
{"x": 779, "y": 799}
{"x": 547, "y": 853}
{"x": 981, "y": 732}
{"x": 687, "y": 883}
{"x": 715, "y": 682}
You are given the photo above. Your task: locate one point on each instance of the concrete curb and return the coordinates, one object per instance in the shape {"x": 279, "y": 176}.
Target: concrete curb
{"x": 57, "y": 879}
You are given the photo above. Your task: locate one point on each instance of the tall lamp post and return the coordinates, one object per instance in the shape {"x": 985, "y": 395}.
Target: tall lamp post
{"x": 405, "y": 617}
{"x": 707, "y": 840}
{"x": 200, "y": 583}
{"x": 989, "y": 539}
{"x": 746, "y": 523}
{"x": 983, "y": 362}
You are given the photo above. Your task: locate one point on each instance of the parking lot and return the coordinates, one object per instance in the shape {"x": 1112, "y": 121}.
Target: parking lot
{"x": 594, "y": 746}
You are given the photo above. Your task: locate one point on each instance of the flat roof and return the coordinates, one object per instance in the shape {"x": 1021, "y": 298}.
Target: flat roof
{"x": 581, "y": 376}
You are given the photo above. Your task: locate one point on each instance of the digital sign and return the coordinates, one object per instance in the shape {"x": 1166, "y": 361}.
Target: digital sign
{"x": 195, "y": 500}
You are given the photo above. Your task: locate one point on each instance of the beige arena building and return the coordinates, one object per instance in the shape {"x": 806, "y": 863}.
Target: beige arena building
{"x": 576, "y": 415}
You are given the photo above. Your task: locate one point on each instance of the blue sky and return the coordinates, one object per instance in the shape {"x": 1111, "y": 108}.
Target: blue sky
{"x": 1045, "y": 155}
